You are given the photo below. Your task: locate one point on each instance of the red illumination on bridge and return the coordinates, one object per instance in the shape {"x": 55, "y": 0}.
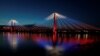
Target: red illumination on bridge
{"x": 55, "y": 29}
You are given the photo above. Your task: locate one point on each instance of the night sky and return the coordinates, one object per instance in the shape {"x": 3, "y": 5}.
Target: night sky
{"x": 35, "y": 11}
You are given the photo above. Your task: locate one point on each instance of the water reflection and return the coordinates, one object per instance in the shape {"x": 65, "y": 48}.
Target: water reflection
{"x": 64, "y": 41}
{"x": 12, "y": 39}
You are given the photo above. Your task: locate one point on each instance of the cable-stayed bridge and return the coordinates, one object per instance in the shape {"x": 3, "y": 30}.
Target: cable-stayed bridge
{"x": 61, "y": 23}
{"x": 64, "y": 24}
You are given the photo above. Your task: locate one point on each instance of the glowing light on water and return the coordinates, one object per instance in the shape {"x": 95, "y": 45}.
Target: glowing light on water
{"x": 79, "y": 36}
{"x": 54, "y": 51}
{"x": 13, "y": 41}
{"x": 85, "y": 36}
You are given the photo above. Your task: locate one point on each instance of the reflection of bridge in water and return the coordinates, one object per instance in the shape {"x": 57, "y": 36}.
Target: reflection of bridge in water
{"x": 64, "y": 42}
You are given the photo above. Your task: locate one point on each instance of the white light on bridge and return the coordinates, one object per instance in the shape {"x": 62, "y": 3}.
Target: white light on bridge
{"x": 12, "y": 22}
{"x": 59, "y": 16}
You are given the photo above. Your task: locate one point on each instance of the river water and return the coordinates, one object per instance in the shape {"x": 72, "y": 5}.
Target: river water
{"x": 41, "y": 44}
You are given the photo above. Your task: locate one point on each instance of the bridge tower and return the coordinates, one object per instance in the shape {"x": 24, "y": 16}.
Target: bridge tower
{"x": 55, "y": 16}
{"x": 54, "y": 29}
{"x": 12, "y": 23}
